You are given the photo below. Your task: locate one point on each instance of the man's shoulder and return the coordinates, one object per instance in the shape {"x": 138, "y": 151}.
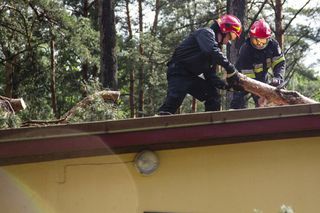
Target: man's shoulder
{"x": 246, "y": 46}
{"x": 205, "y": 30}
{"x": 274, "y": 45}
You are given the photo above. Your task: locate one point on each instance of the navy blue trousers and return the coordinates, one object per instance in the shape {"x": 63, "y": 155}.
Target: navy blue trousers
{"x": 181, "y": 83}
{"x": 239, "y": 100}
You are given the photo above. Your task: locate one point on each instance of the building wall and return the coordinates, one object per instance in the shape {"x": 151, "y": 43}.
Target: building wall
{"x": 225, "y": 178}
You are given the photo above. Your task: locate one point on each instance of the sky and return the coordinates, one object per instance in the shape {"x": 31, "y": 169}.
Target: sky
{"x": 312, "y": 57}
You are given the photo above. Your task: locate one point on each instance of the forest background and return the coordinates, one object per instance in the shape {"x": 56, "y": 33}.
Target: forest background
{"x": 53, "y": 53}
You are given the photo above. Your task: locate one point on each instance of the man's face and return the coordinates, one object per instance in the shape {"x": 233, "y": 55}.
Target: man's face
{"x": 231, "y": 36}
{"x": 259, "y": 43}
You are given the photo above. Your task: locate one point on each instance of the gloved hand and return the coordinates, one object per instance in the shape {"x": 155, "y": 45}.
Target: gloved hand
{"x": 220, "y": 84}
{"x": 216, "y": 81}
{"x": 275, "y": 81}
{"x": 234, "y": 81}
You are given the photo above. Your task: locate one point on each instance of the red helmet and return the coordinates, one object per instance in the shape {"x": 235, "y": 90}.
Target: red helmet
{"x": 230, "y": 23}
{"x": 260, "y": 29}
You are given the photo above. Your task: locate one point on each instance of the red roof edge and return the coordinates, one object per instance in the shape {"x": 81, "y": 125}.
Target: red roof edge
{"x": 38, "y": 144}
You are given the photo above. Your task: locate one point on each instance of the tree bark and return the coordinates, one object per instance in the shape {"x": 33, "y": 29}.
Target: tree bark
{"x": 9, "y": 70}
{"x": 85, "y": 63}
{"x": 278, "y": 22}
{"x": 156, "y": 17}
{"x": 53, "y": 76}
{"x": 108, "y": 44}
{"x": 11, "y": 104}
{"x": 141, "y": 69}
{"x": 238, "y": 9}
{"x": 271, "y": 94}
{"x": 131, "y": 98}
{"x": 130, "y": 67}
{"x": 128, "y": 20}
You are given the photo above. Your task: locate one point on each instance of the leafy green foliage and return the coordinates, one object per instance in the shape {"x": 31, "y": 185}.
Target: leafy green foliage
{"x": 9, "y": 120}
{"x": 99, "y": 110}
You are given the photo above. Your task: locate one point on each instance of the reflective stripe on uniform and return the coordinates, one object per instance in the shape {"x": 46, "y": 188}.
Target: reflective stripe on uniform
{"x": 257, "y": 70}
{"x": 269, "y": 62}
{"x": 277, "y": 60}
{"x": 249, "y": 73}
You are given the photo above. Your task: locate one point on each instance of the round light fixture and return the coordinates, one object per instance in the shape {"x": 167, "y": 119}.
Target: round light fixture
{"x": 146, "y": 162}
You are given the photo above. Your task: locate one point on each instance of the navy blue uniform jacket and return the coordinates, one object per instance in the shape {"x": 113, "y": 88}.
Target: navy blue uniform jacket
{"x": 256, "y": 63}
{"x": 199, "y": 53}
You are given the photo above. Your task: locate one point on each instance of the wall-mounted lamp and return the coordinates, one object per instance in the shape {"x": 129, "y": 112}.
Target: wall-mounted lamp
{"x": 146, "y": 162}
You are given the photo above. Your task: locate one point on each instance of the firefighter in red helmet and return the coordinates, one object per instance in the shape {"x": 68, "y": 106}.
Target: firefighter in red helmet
{"x": 191, "y": 69}
{"x": 259, "y": 55}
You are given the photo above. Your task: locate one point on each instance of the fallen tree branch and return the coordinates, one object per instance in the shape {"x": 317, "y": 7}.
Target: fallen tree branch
{"x": 272, "y": 94}
{"x": 106, "y": 96}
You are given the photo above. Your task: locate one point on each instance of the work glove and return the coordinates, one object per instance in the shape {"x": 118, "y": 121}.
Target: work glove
{"x": 234, "y": 81}
{"x": 216, "y": 81}
{"x": 220, "y": 84}
{"x": 275, "y": 81}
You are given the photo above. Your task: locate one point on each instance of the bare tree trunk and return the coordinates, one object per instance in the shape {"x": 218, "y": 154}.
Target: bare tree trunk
{"x": 194, "y": 105}
{"x": 191, "y": 14}
{"x": 9, "y": 78}
{"x": 278, "y": 22}
{"x": 271, "y": 94}
{"x": 85, "y": 64}
{"x": 141, "y": 69}
{"x": 131, "y": 98}
{"x": 85, "y": 71}
{"x": 108, "y": 62}
{"x": 156, "y": 17}
{"x": 239, "y": 9}
{"x": 130, "y": 68}
{"x": 53, "y": 76}
{"x": 128, "y": 20}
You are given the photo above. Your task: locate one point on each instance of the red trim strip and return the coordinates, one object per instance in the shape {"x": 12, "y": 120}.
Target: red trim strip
{"x": 179, "y": 137}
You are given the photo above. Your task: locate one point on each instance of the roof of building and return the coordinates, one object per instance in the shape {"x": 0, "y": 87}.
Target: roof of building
{"x": 35, "y": 144}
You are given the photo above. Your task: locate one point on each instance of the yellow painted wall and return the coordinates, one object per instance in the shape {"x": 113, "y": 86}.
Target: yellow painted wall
{"x": 225, "y": 179}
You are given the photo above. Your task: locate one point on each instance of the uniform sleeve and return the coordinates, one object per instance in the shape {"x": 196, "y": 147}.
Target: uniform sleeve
{"x": 278, "y": 61}
{"x": 208, "y": 45}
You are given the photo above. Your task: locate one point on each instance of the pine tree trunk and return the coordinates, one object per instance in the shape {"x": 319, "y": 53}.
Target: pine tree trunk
{"x": 53, "y": 76}
{"x": 278, "y": 22}
{"x": 130, "y": 68}
{"x": 271, "y": 94}
{"x": 132, "y": 107}
{"x": 194, "y": 105}
{"x": 141, "y": 69}
{"x": 9, "y": 78}
{"x": 156, "y": 17}
{"x": 85, "y": 63}
{"x": 108, "y": 44}
{"x": 239, "y": 9}
{"x": 128, "y": 20}
{"x": 9, "y": 69}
